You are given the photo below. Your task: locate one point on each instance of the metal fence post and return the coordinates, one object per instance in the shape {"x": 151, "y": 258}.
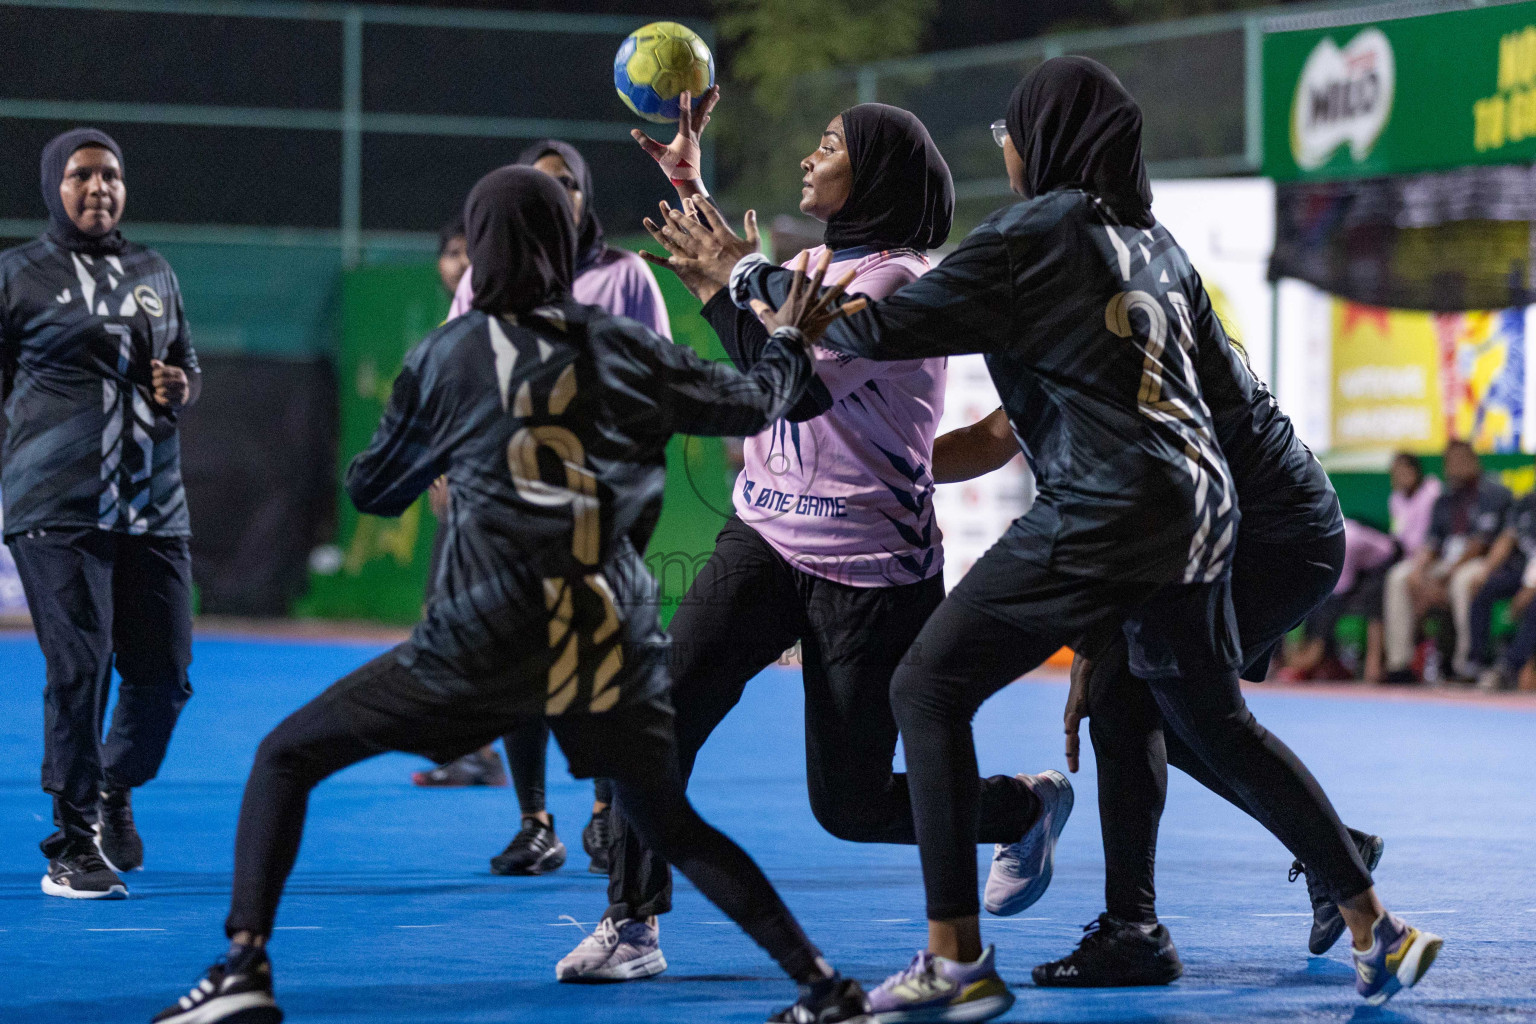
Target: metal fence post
{"x": 868, "y": 82}
{"x": 352, "y": 136}
{"x": 1253, "y": 92}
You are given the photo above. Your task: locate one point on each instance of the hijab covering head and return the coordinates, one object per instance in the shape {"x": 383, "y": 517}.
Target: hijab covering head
{"x": 55, "y": 158}
{"x": 1075, "y": 126}
{"x": 522, "y": 240}
{"x": 589, "y": 233}
{"x": 902, "y": 194}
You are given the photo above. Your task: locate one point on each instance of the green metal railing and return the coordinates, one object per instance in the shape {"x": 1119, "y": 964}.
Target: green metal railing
{"x": 348, "y": 117}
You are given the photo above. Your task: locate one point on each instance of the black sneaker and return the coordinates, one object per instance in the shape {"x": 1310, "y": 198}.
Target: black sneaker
{"x": 116, "y": 837}
{"x": 533, "y": 851}
{"x": 81, "y": 874}
{"x": 234, "y": 989}
{"x": 1327, "y": 922}
{"x": 481, "y": 768}
{"x": 827, "y": 1002}
{"x": 596, "y": 839}
{"x": 1114, "y": 954}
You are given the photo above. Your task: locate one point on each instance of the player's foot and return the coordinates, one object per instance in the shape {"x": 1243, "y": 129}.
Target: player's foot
{"x": 116, "y": 836}
{"x": 1399, "y": 956}
{"x": 1114, "y": 954}
{"x": 535, "y": 850}
{"x": 1021, "y": 871}
{"x": 596, "y": 839}
{"x": 1327, "y": 922}
{"x": 237, "y": 989}
{"x": 80, "y": 874}
{"x": 935, "y": 989}
{"x": 482, "y": 768}
{"x": 837, "y": 999}
{"x": 624, "y": 950}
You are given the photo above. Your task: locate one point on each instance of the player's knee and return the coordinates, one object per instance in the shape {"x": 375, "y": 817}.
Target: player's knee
{"x": 850, "y": 820}
{"x": 281, "y": 752}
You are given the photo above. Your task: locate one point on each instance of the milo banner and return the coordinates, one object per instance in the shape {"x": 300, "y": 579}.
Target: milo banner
{"x": 1408, "y": 95}
{"x": 1413, "y": 380}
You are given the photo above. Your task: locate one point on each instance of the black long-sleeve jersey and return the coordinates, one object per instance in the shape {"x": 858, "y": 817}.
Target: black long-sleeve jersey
{"x": 1089, "y": 333}
{"x": 86, "y": 444}
{"x": 552, "y": 429}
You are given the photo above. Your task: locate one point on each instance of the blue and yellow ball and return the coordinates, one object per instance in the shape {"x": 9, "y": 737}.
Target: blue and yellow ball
{"x": 656, "y": 63}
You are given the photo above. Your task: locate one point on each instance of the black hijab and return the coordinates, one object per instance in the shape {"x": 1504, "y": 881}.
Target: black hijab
{"x": 60, "y": 228}
{"x": 589, "y": 233}
{"x": 521, "y": 238}
{"x": 902, "y": 194}
{"x": 1075, "y": 126}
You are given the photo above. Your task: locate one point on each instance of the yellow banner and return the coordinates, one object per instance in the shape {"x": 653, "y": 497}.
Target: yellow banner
{"x": 1412, "y": 380}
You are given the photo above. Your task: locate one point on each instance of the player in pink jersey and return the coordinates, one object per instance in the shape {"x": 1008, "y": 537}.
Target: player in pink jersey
{"x": 832, "y": 542}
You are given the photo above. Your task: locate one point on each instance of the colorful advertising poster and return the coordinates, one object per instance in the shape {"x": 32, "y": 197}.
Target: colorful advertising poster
{"x": 1401, "y": 95}
{"x": 1412, "y": 380}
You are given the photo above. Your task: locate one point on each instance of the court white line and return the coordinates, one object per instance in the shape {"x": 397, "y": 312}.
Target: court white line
{"x": 1173, "y": 917}
{"x": 893, "y": 920}
{"x": 421, "y": 926}
{"x": 1421, "y": 913}
{"x": 1276, "y": 915}
{"x": 125, "y": 929}
{"x": 298, "y": 928}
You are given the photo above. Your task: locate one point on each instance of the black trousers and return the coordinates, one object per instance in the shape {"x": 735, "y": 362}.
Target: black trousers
{"x": 745, "y": 608}
{"x": 1274, "y": 587}
{"x": 383, "y": 706}
{"x": 1502, "y": 583}
{"x": 97, "y": 599}
{"x": 1005, "y": 618}
{"x": 526, "y": 746}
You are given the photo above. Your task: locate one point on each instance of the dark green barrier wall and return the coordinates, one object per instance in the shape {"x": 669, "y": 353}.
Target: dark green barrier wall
{"x": 385, "y": 310}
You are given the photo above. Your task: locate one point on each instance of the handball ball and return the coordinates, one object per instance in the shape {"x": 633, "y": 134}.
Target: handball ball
{"x": 656, "y": 63}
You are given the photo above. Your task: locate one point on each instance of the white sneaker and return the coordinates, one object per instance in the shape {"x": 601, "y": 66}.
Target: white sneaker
{"x": 624, "y": 950}
{"x": 1021, "y": 871}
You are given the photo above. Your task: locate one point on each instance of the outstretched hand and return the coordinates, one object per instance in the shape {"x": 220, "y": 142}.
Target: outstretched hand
{"x": 703, "y": 249}
{"x": 807, "y": 307}
{"x": 682, "y": 159}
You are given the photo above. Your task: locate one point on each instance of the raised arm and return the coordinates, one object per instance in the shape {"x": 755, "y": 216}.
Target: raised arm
{"x": 744, "y": 338}
{"x": 698, "y": 396}
{"x": 401, "y": 461}
{"x": 965, "y": 304}
{"x": 682, "y": 160}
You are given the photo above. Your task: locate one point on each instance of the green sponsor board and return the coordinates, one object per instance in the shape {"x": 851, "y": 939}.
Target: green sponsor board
{"x": 1394, "y": 97}
{"x": 382, "y": 565}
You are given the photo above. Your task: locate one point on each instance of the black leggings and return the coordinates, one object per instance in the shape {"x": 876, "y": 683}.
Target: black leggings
{"x": 1274, "y": 587}
{"x": 746, "y": 607}
{"x": 526, "y": 746}
{"x": 1004, "y": 619}
{"x": 382, "y": 706}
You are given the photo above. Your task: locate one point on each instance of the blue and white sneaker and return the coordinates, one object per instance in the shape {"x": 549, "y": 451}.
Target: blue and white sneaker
{"x": 935, "y": 989}
{"x": 1399, "y": 956}
{"x": 1021, "y": 871}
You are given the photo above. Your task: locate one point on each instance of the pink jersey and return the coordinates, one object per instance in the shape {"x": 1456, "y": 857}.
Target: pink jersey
{"x": 848, "y": 496}
{"x": 620, "y": 282}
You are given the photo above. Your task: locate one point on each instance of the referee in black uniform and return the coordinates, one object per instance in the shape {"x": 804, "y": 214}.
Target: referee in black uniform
{"x": 97, "y": 366}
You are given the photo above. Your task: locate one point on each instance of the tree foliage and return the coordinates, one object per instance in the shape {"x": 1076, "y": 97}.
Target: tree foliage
{"x": 776, "y": 40}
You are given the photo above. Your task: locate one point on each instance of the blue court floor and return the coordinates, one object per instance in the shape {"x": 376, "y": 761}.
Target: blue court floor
{"x": 393, "y": 915}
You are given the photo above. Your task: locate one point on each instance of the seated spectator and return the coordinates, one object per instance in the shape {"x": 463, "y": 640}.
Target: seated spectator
{"x": 1450, "y": 568}
{"x": 1368, "y": 556}
{"x": 1503, "y": 573}
{"x": 1516, "y": 545}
